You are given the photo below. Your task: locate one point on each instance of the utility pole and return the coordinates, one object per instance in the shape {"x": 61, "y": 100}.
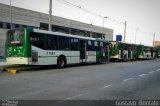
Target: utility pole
{"x": 125, "y": 27}
{"x": 10, "y": 14}
{"x": 50, "y": 16}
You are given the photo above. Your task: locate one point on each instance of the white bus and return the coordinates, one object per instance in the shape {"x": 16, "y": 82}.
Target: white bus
{"x": 39, "y": 47}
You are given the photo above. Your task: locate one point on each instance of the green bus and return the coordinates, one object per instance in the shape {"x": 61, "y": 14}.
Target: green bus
{"x": 31, "y": 46}
{"x": 122, "y": 51}
{"x": 158, "y": 51}
{"x": 125, "y": 51}
{"x": 146, "y": 52}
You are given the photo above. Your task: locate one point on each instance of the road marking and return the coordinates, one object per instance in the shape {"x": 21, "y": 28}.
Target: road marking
{"x": 158, "y": 70}
{"x": 105, "y": 86}
{"x": 127, "y": 79}
{"x": 142, "y": 75}
{"x": 72, "y": 97}
{"x": 151, "y": 72}
{"x": 68, "y": 98}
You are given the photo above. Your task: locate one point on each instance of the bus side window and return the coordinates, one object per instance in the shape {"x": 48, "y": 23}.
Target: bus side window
{"x": 89, "y": 45}
{"x": 95, "y": 45}
{"x": 63, "y": 43}
{"x": 37, "y": 39}
{"x": 98, "y": 47}
{"x": 74, "y": 44}
{"x": 51, "y": 42}
{"x": 102, "y": 46}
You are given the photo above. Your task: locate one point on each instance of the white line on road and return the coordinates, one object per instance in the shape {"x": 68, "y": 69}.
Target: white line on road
{"x": 105, "y": 86}
{"x": 69, "y": 98}
{"x": 151, "y": 72}
{"x": 142, "y": 75}
{"x": 127, "y": 79}
{"x": 73, "y": 97}
{"x": 158, "y": 70}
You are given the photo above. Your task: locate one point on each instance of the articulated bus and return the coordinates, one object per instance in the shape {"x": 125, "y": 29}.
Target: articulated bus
{"x": 38, "y": 47}
{"x": 125, "y": 51}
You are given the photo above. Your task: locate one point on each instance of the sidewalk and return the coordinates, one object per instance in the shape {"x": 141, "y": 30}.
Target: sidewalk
{"x": 3, "y": 63}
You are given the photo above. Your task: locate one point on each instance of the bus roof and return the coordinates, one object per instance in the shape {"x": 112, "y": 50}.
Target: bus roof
{"x": 132, "y": 44}
{"x": 63, "y": 34}
{"x": 125, "y": 43}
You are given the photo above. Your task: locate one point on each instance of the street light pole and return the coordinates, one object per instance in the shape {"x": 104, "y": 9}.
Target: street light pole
{"x": 125, "y": 27}
{"x": 108, "y": 57}
{"x": 50, "y": 16}
{"x": 103, "y": 25}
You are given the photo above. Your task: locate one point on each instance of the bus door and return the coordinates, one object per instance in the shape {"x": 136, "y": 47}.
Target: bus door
{"x": 129, "y": 53}
{"x": 106, "y": 50}
{"x": 122, "y": 49}
{"x": 152, "y": 52}
{"x": 82, "y": 48}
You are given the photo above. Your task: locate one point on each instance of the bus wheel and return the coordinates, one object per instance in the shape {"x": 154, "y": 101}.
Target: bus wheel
{"x": 125, "y": 58}
{"x": 100, "y": 60}
{"x": 61, "y": 62}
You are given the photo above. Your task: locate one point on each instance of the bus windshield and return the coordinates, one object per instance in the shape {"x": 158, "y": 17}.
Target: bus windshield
{"x": 114, "y": 44}
{"x": 15, "y": 37}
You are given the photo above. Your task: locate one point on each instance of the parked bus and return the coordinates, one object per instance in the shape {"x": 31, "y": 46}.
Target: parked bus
{"x": 158, "y": 51}
{"x": 125, "y": 51}
{"x": 146, "y": 52}
{"x": 38, "y": 47}
{"x": 122, "y": 51}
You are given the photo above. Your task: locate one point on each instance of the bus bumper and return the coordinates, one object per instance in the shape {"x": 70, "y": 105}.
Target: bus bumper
{"x": 17, "y": 60}
{"x": 141, "y": 57}
{"x": 114, "y": 57}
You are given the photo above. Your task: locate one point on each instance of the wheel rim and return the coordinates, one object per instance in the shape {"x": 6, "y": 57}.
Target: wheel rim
{"x": 61, "y": 63}
{"x": 100, "y": 60}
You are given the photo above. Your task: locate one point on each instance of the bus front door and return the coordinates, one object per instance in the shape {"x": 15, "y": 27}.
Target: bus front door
{"x": 129, "y": 54}
{"x": 82, "y": 48}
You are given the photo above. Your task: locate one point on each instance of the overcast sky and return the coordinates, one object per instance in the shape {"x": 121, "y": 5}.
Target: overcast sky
{"x": 142, "y": 16}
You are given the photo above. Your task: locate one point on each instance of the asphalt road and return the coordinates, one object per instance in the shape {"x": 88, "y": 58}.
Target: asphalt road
{"x": 114, "y": 81}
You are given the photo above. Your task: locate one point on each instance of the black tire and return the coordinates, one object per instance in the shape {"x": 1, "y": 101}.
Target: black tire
{"x": 61, "y": 62}
{"x": 112, "y": 60}
{"x": 134, "y": 59}
{"x": 100, "y": 60}
{"x": 125, "y": 58}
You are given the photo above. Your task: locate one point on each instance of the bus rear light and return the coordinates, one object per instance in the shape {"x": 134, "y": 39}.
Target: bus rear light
{"x": 116, "y": 53}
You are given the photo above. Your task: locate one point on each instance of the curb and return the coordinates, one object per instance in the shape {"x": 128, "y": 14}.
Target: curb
{"x": 12, "y": 71}
{"x": 2, "y": 69}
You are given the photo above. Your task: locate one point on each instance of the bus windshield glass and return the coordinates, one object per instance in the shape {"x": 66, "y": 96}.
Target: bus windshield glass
{"x": 15, "y": 37}
{"x": 114, "y": 44}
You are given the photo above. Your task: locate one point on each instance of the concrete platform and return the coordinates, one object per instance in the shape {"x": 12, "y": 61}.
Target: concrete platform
{"x": 3, "y": 63}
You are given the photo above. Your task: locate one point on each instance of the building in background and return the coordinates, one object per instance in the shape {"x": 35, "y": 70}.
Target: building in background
{"x": 21, "y": 18}
{"x": 156, "y": 43}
